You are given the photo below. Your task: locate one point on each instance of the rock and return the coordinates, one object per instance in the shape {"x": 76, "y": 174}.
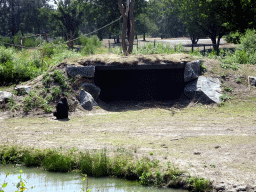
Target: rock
{"x": 220, "y": 187}
{"x": 4, "y": 96}
{"x": 241, "y": 188}
{"x": 92, "y": 89}
{"x": 197, "y": 153}
{"x": 205, "y": 90}
{"x": 216, "y": 147}
{"x": 23, "y": 89}
{"x": 231, "y": 190}
{"x": 87, "y": 71}
{"x": 252, "y": 80}
{"x": 86, "y": 100}
{"x": 192, "y": 70}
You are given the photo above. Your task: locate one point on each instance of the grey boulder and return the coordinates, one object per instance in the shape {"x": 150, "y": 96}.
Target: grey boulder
{"x": 192, "y": 70}
{"x": 92, "y": 89}
{"x": 252, "y": 80}
{"x": 4, "y": 96}
{"x": 86, "y": 71}
{"x": 204, "y": 89}
{"x": 22, "y": 88}
{"x": 86, "y": 100}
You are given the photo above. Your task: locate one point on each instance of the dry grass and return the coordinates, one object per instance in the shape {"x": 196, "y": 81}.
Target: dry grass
{"x": 112, "y": 59}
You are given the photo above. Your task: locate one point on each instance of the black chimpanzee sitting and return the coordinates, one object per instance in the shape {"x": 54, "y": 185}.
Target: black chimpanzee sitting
{"x": 62, "y": 109}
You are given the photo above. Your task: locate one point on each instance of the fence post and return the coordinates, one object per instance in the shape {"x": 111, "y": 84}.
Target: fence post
{"x": 204, "y": 49}
{"x": 71, "y": 40}
{"x": 137, "y": 44}
{"x": 154, "y": 43}
{"x": 46, "y": 38}
{"x": 21, "y": 44}
{"x": 109, "y": 45}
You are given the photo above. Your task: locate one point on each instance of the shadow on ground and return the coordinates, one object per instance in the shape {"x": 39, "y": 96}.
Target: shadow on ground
{"x": 118, "y": 106}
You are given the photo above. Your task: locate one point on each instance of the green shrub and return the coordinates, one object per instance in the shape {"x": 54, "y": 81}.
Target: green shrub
{"x": 6, "y": 40}
{"x": 86, "y": 164}
{"x": 245, "y": 53}
{"x": 238, "y": 80}
{"x": 55, "y": 162}
{"x": 228, "y": 89}
{"x": 203, "y": 68}
{"x": 225, "y": 97}
{"x": 95, "y": 165}
{"x": 7, "y": 54}
{"x": 88, "y": 50}
{"x": 46, "y": 80}
{"x": 12, "y": 104}
{"x": 58, "y": 40}
{"x": 199, "y": 184}
{"x": 59, "y": 77}
{"x": 34, "y": 100}
{"x": 29, "y": 42}
{"x": 47, "y": 50}
{"x": 158, "y": 179}
{"x": 33, "y": 159}
{"x": 146, "y": 179}
{"x": 27, "y": 103}
{"x": 56, "y": 92}
{"x": 233, "y": 37}
{"x": 14, "y": 69}
{"x": 99, "y": 165}
{"x": 90, "y": 44}
{"x": 11, "y": 155}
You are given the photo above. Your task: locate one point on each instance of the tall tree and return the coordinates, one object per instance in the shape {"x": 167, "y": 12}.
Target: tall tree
{"x": 206, "y": 15}
{"x": 240, "y": 14}
{"x": 70, "y": 14}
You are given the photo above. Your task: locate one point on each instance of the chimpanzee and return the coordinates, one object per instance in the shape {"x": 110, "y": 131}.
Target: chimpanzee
{"x": 62, "y": 109}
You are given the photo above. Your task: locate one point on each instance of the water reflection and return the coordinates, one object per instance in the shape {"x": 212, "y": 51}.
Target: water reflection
{"x": 70, "y": 182}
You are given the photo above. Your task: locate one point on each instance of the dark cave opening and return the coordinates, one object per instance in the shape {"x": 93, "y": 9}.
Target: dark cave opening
{"x": 139, "y": 83}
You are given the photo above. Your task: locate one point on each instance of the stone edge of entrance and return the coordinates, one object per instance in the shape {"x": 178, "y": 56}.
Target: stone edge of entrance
{"x": 192, "y": 71}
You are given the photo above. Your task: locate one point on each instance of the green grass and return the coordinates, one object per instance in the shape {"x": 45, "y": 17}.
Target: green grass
{"x": 98, "y": 164}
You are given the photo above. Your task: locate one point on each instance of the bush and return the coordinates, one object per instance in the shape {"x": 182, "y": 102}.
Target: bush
{"x": 33, "y": 159}
{"x": 199, "y": 184}
{"x": 56, "y": 92}
{"x": 86, "y": 164}
{"x": 14, "y": 69}
{"x": 90, "y": 44}
{"x": 246, "y": 51}
{"x": 29, "y": 42}
{"x": 55, "y": 162}
{"x": 58, "y": 40}
{"x": 233, "y": 37}
{"x": 11, "y": 155}
{"x": 34, "y": 100}
{"x": 6, "y": 40}
{"x": 59, "y": 77}
{"x": 47, "y": 50}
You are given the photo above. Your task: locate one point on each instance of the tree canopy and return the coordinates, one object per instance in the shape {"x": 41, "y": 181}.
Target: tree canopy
{"x": 175, "y": 18}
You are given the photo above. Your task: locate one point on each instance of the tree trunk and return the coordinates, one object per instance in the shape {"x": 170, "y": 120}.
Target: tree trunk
{"x": 124, "y": 27}
{"x": 131, "y": 33}
{"x": 194, "y": 39}
{"x": 144, "y": 36}
{"x": 214, "y": 43}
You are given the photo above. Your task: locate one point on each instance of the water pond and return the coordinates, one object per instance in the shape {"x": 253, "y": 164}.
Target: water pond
{"x": 44, "y": 181}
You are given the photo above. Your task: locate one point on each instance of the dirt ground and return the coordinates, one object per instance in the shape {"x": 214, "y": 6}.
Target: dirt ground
{"x": 217, "y": 143}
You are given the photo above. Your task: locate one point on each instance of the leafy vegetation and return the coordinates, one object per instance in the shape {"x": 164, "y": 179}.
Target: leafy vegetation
{"x": 33, "y": 100}
{"x": 98, "y": 164}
